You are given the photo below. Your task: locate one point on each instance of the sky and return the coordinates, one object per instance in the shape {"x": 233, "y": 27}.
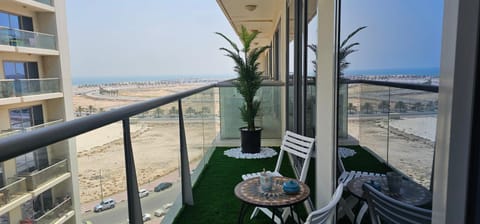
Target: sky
{"x": 120, "y": 38}
{"x": 400, "y": 33}
{"x": 147, "y": 38}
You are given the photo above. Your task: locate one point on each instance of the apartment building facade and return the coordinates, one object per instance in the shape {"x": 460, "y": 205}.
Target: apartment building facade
{"x": 35, "y": 92}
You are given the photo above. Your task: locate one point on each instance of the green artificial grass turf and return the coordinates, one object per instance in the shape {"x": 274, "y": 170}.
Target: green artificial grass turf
{"x": 213, "y": 194}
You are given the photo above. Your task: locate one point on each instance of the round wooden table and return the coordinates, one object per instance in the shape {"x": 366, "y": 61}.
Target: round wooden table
{"x": 250, "y": 193}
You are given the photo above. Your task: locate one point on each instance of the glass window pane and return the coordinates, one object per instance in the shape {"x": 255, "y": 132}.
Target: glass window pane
{"x": 20, "y": 70}
{"x": 14, "y": 22}
{"x": 4, "y": 20}
{"x": 9, "y": 68}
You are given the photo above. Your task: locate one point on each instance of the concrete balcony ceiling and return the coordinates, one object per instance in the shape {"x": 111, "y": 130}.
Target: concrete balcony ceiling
{"x": 29, "y": 5}
{"x": 260, "y": 15}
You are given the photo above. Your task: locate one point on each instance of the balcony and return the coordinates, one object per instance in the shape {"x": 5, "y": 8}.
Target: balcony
{"x": 39, "y": 181}
{"x": 32, "y": 5}
{"x": 22, "y": 41}
{"x": 27, "y": 90}
{"x": 221, "y": 129}
{"x": 15, "y": 189}
{"x": 6, "y": 133}
{"x": 13, "y": 194}
{"x": 59, "y": 214}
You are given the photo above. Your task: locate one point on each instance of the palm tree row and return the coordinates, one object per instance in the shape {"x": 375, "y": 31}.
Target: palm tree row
{"x": 399, "y": 107}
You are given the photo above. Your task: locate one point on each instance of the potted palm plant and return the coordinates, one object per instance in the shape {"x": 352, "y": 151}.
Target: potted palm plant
{"x": 248, "y": 82}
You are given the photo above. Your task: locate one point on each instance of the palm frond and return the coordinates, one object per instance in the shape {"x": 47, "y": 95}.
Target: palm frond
{"x": 351, "y": 35}
{"x": 229, "y": 41}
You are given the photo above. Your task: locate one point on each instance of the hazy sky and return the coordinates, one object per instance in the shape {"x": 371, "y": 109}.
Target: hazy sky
{"x": 152, "y": 38}
{"x": 400, "y": 33}
{"x": 146, "y": 37}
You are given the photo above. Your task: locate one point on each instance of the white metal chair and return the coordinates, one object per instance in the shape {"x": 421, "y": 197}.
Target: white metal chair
{"x": 320, "y": 216}
{"x": 347, "y": 204}
{"x": 295, "y": 145}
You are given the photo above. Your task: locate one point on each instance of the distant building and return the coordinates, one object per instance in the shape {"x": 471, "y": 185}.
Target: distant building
{"x": 35, "y": 91}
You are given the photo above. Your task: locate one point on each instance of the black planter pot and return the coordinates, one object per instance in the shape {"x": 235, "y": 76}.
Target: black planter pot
{"x": 250, "y": 140}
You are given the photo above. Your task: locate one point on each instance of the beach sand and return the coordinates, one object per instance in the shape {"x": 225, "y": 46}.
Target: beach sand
{"x": 408, "y": 153}
{"x": 155, "y": 143}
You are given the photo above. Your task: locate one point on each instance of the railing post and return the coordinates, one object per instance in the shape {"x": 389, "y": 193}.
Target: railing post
{"x": 187, "y": 195}
{"x": 134, "y": 206}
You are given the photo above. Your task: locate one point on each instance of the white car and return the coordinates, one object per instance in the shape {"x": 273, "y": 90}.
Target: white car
{"x": 159, "y": 212}
{"x": 104, "y": 205}
{"x": 146, "y": 217}
{"x": 143, "y": 193}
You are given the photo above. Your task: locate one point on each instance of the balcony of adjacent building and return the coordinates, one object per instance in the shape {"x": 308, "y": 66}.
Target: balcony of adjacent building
{"x": 27, "y": 42}
{"x": 40, "y": 195}
{"x": 31, "y": 5}
{"x": 13, "y": 194}
{"x": 29, "y": 90}
{"x": 40, "y": 180}
{"x": 60, "y": 213}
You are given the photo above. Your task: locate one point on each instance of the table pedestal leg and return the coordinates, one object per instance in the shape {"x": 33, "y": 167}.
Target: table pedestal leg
{"x": 276, "y": 212}
{"x": 243, "y": 210}
{"x": 293, "y": 213}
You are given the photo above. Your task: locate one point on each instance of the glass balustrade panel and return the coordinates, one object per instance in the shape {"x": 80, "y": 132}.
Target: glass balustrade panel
{"x": 412, "y": 129}
{"x": 268, "y": 117}
{"x": 7, "y": 88}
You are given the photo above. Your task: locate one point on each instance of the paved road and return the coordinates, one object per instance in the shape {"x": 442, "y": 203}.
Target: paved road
{"x": 119, "y": 214}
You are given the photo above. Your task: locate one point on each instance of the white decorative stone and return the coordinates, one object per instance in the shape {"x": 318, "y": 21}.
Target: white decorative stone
{"x": 346, "y": 152}
{"x": 237, "y": 153}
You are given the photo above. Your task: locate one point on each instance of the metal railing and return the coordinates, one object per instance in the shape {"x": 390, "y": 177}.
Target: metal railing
{"x": 55, "y": 213}
{"x": 24, "y": 38}
{"x": 40, "y": 177}
{"x": 16, "y": 188}
{"x": 16, "y": 145}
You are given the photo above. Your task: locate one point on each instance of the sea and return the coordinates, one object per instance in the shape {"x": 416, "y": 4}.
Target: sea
{"x": 99, "y": 79}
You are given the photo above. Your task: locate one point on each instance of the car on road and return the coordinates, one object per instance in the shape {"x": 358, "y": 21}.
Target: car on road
{"x": 159, "y": 212}
{"x": 162, "y": 186}
{"x": 146, "y": 217}
{"x": 143, "y": 193}
{"x": 104, "y": 205}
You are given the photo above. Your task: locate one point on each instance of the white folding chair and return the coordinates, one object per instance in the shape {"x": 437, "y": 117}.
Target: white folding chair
{"x": 295, "y": 145}
{"x": 346, "y": 205}
{"x": 320, "y": 216}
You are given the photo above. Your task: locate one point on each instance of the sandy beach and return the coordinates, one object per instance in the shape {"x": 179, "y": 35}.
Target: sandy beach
{"x": 155, "y": 140}
{"x": 411, "y": 133}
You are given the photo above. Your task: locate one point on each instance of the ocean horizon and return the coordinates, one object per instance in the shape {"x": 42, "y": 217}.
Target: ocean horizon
{"x": 83, "y": 80}
{"x": 89, "y": 79}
